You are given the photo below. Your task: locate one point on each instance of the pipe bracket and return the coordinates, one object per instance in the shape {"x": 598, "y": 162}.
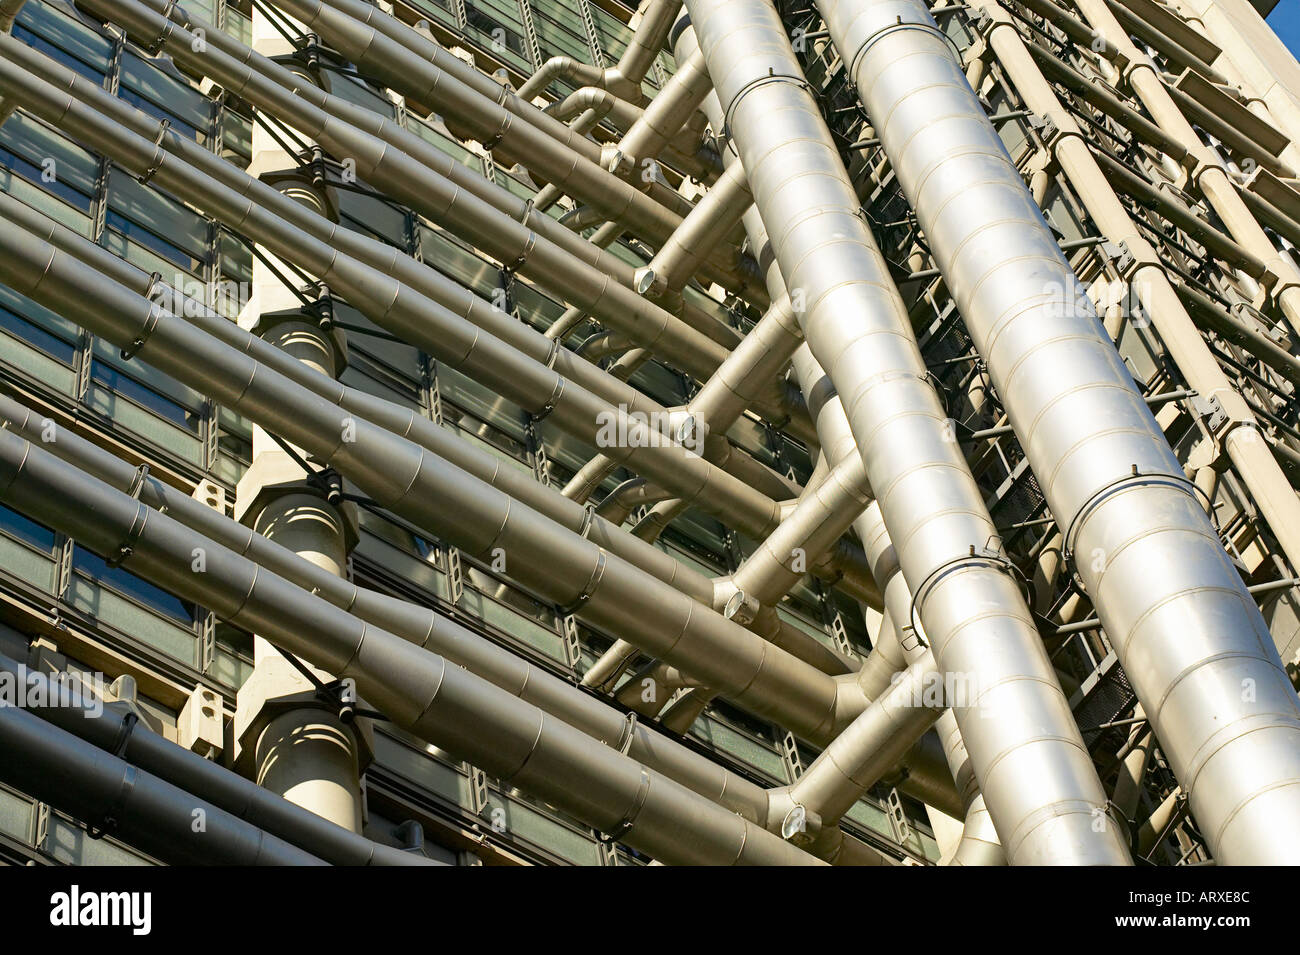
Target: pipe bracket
{"x": 987, "y": 556}
{"x": 625, "y": 826}
{"x": 1133, "y": 478}
{"x": 127, "y": 547}
{"x": 597, "y": 574}
{"x": 107, "y": 820}
{"x": 754, "y": 84}
{"x": 899, "y": 25}
{"x": 160, "y": 154}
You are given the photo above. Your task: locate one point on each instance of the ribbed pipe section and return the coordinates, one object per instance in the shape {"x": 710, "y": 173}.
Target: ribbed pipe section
{"x": 1192, "y": 642}
{"x": 1036, "y": 775}
{"x": 418, "y": 690}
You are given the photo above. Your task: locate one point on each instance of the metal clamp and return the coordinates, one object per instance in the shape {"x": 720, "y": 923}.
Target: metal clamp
{"x": 127, "y": 547}
{"x": 629, "y": 820}
{"x": 107, "y": 820}
{"x": 1133, "y": 477}
{"x": 518, "y": 263}
{"x": 597, "y": 574}
{"x": 150, "y": 323}
{"x": 552, "y": 401}
{"x": 155, "y": 46}
{"x": 494, "y": 140}
{"x": 629, "y": 732}
{"x": 129, "y": 723}
{"x": 984, "y": 556}
{"x": 160, "y": 154}
{"x": 137, "y": 482}
{"x": 588, "y": 519}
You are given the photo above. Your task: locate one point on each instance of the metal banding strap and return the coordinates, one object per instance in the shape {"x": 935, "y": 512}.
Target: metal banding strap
{"x": 147, "y": 329}
{"x": 1133, "y": 478}
{"x": 155, "y": 46}
{"x": 127, "y": 547}
{"x": 159, "y": 155}
{"x": 629, "y": 732}
{"x": 107, "y": 821}
{"x": 552, "y": 401}
{"x": 527, "y": 212}
{"x": 752, "y": 85}
{"x": 137, "y": 482}
{"x": 554, "y": 353}
{"x": 495, "y": 139}
{"x": 129, "y": 722}
{"x": 597, "y": 574}
{"x": 519, "y": 261}
{"x": 588, "y": 519}
{"x": 985, "y": 557}
{"x": 898, "y": 25}
{"x": 629, "y": 820}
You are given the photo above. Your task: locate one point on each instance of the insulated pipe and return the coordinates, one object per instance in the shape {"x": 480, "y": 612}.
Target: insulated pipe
{"x": 870, "y": 746}
{"x": 425, "y": 279}
{"x": 135, "y": 806}
{"x": 486, "y": 86}
{"x": 1257, "y": 467}
{"x": 540, "y": 255}
{"x": 1036, "y": 775}
{"x": 104, "y": 727}
{"x": 822, "y": 515}
{"x": 624, "y": 79}
{"x": 397, "y": 67}
{"x": 647, "y": 212}
{"x": 440, "y": 703}
{"x": 371, "y": 252}
{"x": 667, "y": 113}
{"x": 395, "y": 418}
{"x": 1173, "y": 604}
{"x": 603, "y": 590}
{"x": 415, "y": 624}
{"x": 705, "y": 228}
{"x": 902, "y": 642}
{"x": 396, "y": 307}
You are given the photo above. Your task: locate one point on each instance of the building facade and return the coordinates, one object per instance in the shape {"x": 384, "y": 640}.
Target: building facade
{"x": 557, "y": 265}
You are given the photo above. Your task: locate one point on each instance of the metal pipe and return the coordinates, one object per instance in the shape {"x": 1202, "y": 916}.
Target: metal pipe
{"x": 543, "y": 251}
{"x": 647, "y": 40}
{"x": 566, "y": 568}
{"x": 105, "y": 727}
{"x": 137, "y": 807}
{"x": 440, "y": 703}
{"x": 1038, "y": 782}
{"x": 1180, "y": 619}
{"x": 625, "y": 435}
{"x": 418, "y": 625}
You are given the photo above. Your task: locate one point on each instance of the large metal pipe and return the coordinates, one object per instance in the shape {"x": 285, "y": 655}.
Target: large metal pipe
{"x": 1037, "y": 778}
{"x": 1160, "y": 297}
{"x": 105, "y": 727}
{"x": 560, "y": 261}
{"x": 564, "y": 567}
{"x": 625, "y": 436}
{"x": 1181, "y": 621}
{"x": 139, "y": 808}
{"x": 418, "y": 625}
{"x": 418, "y": 690}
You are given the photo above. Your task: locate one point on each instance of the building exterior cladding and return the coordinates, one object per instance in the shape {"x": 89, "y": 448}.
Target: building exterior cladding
{"x": 574, "y": 507}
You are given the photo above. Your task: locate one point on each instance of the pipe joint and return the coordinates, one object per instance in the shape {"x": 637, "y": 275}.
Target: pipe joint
{"x": 772, "y": 77}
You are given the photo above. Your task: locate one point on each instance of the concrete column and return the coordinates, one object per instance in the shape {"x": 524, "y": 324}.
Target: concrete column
{"x": 291, "y": 738}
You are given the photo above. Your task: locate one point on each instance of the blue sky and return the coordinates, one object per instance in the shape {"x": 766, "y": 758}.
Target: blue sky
{"x": 1285, "y": 21}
